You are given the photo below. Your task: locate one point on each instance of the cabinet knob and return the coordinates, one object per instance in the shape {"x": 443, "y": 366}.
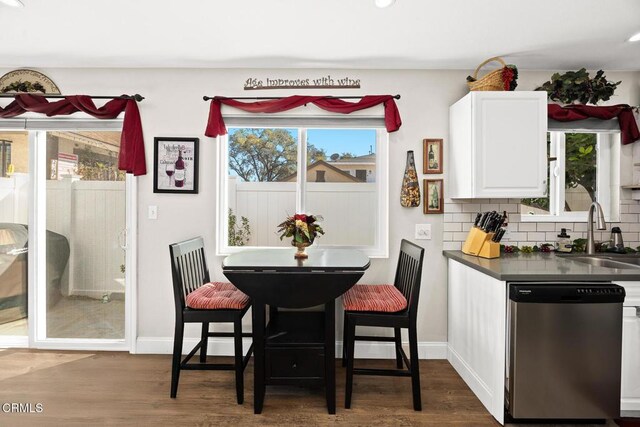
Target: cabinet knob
{"x": 295, "y": 365}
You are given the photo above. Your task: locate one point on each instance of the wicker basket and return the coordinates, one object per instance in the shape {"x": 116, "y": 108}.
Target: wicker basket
{"x": 493, "y": 80}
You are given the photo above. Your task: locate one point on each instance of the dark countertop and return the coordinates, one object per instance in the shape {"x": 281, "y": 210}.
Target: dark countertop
{"x": 542, "y": 266}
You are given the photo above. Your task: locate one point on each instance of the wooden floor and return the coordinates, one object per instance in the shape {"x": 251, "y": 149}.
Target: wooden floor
{"x": 97, "y": 388}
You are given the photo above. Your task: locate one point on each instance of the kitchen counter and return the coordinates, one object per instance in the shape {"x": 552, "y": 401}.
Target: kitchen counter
{"x": 541, "y": 266}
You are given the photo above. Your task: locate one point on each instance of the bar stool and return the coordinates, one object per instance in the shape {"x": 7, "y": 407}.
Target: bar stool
{"x": 199, "y": 301}
{"x": 392, "y": 306}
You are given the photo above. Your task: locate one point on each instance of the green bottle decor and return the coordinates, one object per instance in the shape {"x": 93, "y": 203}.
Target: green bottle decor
{"x": 410, "y": 193}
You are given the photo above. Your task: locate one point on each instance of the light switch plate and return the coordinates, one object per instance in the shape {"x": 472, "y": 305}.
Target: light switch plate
{"x": 153, "y": 212}
{"x": 423, "y": 231}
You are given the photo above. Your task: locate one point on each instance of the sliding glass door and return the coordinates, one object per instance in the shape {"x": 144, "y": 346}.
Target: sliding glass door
{"x": 65, "y": 213}
{"x": 85, "y": 228}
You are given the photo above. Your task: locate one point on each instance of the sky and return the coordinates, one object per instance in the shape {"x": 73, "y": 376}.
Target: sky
{"x": 355, "y": 141}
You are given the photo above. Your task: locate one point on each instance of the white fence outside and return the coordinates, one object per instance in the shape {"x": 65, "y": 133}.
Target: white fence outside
{"x": 91, "y": 215}
{"x": 349, "y": 210}
{"x": 14, "y": 199}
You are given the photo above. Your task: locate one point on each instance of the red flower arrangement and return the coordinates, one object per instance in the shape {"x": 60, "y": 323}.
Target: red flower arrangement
{"x": 303, "y": 228}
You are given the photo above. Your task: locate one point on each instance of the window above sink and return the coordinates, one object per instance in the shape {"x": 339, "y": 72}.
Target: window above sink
{"x": 582, "y": 167}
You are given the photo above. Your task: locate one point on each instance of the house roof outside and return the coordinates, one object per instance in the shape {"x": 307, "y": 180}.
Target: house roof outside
{"x": 329, "y": 166}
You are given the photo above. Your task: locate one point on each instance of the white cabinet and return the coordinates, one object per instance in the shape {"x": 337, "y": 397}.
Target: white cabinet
{"x": 630, "y": 393}
{"x": 477, "y": 324}
{"x": 498, "y": 145}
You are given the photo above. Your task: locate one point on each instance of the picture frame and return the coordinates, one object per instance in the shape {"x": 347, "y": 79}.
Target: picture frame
{"x": 432, "y": 156}
{"x": 167, "y": 170}
{"x": 433, "y": 196}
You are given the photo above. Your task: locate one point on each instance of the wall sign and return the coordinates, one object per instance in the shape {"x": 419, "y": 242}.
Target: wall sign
{"x": 175, "y": 165}
{"x": 323, "y": 82}
{"x": 27, "y": 81}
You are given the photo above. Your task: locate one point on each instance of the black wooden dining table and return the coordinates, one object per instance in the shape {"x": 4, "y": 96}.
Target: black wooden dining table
{"x": 296, "y": 347}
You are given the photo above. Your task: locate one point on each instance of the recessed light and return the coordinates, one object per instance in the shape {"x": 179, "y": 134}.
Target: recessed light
{"x": 384, "y": 3}
{"x": 635, "y": 38}
{"x": 13, "y": 3}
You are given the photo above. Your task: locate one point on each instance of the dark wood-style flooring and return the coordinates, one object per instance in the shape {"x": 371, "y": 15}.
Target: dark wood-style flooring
{"x": 105, "y": 388}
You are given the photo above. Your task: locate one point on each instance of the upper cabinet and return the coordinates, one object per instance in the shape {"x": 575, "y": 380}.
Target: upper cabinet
{"x": 498, "y": 145}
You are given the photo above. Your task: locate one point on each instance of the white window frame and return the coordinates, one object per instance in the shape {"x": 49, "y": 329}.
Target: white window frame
{"x": 607, "y": 179}
{"x": 380, "y": 248}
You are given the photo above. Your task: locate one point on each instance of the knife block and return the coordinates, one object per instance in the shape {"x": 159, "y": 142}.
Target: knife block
{"x": 479, "y": 244}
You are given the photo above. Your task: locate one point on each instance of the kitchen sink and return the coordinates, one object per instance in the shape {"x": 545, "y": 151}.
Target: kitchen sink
{"x": 611, "y": 261}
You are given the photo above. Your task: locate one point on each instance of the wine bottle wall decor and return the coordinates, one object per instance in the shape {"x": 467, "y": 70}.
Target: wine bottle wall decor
{"x": 432, "y": 156}
{"x": 410, "y": 193}
{"x": 175, "y": 164}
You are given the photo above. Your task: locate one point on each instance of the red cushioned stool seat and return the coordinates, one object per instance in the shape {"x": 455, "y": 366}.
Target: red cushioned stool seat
{"x": 382, "y": 298}
{"x": 217, "y": 296}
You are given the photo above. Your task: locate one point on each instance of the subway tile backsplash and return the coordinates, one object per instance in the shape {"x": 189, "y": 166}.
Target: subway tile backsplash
{"x": 459, "y": 215}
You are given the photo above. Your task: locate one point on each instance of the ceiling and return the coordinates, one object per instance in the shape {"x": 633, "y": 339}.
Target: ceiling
{"x": 412, "y": 34}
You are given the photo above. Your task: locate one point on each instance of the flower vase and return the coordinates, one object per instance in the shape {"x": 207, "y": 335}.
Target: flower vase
{"x": 300, "y": 253}
{"x": 410, "y": 193}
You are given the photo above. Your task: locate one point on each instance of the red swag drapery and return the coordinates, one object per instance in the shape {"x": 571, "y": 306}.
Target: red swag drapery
{"x": 216, "y": 126}
{"x": 624, "y": 113}
{"x": 131, "y": 158}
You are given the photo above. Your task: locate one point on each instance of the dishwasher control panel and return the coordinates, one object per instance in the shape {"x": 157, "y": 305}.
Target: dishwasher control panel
{"x": 566, "y": 292}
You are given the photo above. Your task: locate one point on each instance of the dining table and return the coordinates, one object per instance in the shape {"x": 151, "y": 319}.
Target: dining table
{"x": 297, "y": 345}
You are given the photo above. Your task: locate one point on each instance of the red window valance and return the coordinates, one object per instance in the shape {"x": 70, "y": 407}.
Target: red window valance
{"x": 624, "y": 113}
{"x": 216, "y": 126}
{"x": 132, "y": 156}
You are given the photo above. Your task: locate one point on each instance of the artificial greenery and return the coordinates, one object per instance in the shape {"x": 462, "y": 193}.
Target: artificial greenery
{"x": 21, "y": 86}
{"x": 578, "y": 86}
{"x": 579, "y": 245}
{"x": 238, "y": 234}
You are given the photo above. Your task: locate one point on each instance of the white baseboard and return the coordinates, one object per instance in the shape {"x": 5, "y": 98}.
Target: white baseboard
{"x": 224, "y": 347}
{"x": 631, "y": 407}
{"x": 10, "y": 341}
{"x": 470, "y": 377}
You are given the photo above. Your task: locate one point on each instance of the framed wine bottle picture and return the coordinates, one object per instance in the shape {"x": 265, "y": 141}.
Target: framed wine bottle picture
{"x": 432, "y": 156}
{"x": 433, "y": 197}
{"x": 175, "y": 165}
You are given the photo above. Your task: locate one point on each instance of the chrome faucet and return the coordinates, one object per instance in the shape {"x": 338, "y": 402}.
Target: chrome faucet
{"x": 595, "y": 206}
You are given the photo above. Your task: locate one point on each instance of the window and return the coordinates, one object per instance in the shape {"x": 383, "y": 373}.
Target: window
{"x": 269, "y": 173}
{"x": 583, "y": 167}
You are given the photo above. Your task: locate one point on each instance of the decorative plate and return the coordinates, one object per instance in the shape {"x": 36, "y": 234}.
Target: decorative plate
{"x": 27, "y": 81}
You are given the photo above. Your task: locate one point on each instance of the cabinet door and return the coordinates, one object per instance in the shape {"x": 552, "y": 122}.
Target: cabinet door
{"x": 510, "y": 134}
{"x": 630, "y": 360}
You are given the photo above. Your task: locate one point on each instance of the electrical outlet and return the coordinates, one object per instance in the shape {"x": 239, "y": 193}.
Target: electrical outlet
{"x": 153, "y": 212}
{"x": 423, "y": 231}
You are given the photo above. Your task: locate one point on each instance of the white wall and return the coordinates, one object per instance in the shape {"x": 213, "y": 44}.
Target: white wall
{"x": 174, "y": 107}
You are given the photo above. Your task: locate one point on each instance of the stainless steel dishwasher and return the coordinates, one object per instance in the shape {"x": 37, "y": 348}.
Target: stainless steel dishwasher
{"x": 564, "y": 350}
